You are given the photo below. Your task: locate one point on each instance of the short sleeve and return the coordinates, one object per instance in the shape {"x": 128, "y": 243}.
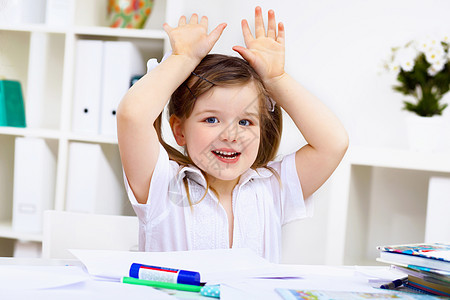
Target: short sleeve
{"x": 164, "y": 171}
{"x": 292, "y": 205}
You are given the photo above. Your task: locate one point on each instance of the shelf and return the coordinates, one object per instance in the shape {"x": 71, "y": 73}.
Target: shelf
{"x": 6, "y": 231}
{"x": 55, "y": 134}
{"x": 93, "y": 139}
{"x": 30, "y": 132}
{"x": 120, "y": 32}
{"x": 33, "y": 28}
{"x": 400, "y": 159}
{"x": 158, "y": 34}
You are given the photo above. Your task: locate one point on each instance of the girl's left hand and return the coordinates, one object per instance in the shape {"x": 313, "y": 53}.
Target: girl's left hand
{"x": 265, "y": 51}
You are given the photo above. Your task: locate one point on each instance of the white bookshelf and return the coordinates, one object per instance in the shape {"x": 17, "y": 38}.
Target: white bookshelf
{"x": 379, "y": 197}
{"x": 49, "y": 116}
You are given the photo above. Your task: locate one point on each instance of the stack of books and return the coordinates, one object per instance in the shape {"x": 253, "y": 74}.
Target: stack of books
{"x": 426, "y": 265}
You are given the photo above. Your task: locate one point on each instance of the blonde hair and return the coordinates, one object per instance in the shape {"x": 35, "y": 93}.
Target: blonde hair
{"x": 223, "y": 70}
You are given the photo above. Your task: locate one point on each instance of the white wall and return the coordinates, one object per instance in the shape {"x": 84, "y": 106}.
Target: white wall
{"x": 335, "y": 49}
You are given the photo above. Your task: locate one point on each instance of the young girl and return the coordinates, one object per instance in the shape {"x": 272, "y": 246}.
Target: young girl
{"x": 225, "y": 190}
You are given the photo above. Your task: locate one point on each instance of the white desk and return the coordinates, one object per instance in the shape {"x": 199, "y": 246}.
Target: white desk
{"x": 62, "y": 279}
{"x": 80, "y": 285}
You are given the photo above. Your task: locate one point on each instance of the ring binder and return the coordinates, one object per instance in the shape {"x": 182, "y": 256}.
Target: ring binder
{"x": 12, "y": 111}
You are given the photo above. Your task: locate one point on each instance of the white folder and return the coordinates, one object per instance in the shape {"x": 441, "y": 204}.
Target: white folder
{"x": 57, "y": 12}
{"x": 34, "y": 183}
{"x": 437, "y": 226}
{"x": 121, "y": 61}
{"x": 22, "y": 11}
{"x": 39, "y": 43}
{"x": 87, "y": 87}
{"x": 94, "y": 183}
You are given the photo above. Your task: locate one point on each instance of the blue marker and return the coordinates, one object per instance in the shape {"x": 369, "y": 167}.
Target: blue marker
{"x": 162, "y": 274}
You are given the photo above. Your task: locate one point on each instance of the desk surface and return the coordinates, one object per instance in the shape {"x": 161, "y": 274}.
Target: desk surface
{"x": 76, "y": 283}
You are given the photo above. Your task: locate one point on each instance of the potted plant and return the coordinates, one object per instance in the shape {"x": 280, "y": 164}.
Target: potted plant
{"x": 422, "y": 71}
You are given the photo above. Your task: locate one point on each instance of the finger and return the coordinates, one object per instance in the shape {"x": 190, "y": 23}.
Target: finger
{"x": 259, "y": 23}
{"x": 194, "y": 19}
{"x": 246, "y": 32}
{"x": 271, "y": 25}
{"x": 204, "y": 22}
{"x": 216, "y": 33}
{"x": 245, "y": 53}
{"x": 182, "y": 21}
{"x": 281, "y": 33}
{"x": 167, "y": 28}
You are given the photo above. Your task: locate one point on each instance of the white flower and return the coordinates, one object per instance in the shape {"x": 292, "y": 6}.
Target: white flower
{"x": 424, "y": 45}
{"x": 405, "y": 58}
{"x": 394, "y": 67}
{"x": 429, "y": 43}
{"x": 436, "y": 67}
{"x": 435, "y": 42}
{"x": 435, "y": 54}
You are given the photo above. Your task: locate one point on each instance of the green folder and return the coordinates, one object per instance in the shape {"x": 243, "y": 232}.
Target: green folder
{"x": 12, "y": 111}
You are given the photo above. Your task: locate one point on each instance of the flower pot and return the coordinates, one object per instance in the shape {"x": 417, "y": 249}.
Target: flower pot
{"x": 129, "y": 13}
{"x": 426, "y": 134}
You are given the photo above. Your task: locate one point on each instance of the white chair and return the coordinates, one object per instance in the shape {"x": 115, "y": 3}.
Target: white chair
{"x": 64, "y": 230}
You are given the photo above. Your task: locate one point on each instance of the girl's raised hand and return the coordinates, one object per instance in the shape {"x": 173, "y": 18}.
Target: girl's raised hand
{"x": 192, "y": 39}
{"x": 265, "y": 50}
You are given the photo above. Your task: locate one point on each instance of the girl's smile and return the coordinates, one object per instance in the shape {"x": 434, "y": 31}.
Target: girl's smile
{"x": 226, "y": 155}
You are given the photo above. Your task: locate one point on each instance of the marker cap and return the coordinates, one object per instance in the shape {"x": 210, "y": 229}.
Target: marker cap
{"x": 134, "y": 270}
{"x": 188, "y": 277}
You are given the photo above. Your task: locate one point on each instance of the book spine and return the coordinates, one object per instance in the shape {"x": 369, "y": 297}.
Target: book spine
{"x": 441, "y": 289}
{"x": 425, "y": 289}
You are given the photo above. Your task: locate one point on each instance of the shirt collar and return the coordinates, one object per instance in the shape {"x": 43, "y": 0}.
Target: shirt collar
{"x": 193, "y": 173}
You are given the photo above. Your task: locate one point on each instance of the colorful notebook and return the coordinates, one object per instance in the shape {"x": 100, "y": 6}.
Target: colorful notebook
{"x": 432, "y": 255}
{"x": 427, "y": 274}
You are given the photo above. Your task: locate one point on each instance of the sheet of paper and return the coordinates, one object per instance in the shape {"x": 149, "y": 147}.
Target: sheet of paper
{"x": 383, "y": 273}
{"x": 265, "y": 288}
{"x": 39, "y": 277}
{"x": 318, "y": 277}
{"x": 213, "y": 265}
{"x": 88, "y": 290}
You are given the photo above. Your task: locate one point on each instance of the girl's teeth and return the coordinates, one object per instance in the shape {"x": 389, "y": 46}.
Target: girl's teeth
{"x": 226, "y": 154}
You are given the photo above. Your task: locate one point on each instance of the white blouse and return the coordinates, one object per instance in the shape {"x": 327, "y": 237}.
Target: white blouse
{"x": 261, "y": 205}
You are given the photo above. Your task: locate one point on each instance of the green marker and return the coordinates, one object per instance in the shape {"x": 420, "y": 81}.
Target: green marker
{"x": 163, "y": 285}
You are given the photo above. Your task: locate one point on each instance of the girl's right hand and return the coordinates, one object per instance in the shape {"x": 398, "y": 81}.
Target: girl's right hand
{"x": 192, "y": 39}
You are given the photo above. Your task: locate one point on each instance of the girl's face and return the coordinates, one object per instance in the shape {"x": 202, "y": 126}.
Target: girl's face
{"x": 222, "y": 134}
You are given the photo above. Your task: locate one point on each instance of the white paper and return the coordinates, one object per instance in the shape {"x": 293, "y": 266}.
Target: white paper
{"x": 241, "y": 273}
{"x": 85, "y": 290}
{"x": 39, "y": 277}
{"x": 213, "y": 265}
{"x": 332, "y": 278}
